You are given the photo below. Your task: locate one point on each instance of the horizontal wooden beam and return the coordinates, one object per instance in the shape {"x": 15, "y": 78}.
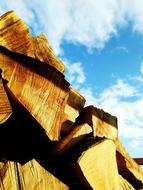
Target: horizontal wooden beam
{"x": 139, "y": 161}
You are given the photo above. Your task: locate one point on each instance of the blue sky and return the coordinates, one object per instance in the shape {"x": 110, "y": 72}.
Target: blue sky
{"x": 101, "y": 43}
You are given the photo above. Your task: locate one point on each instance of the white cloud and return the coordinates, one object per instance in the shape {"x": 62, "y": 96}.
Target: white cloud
{"x": 134, "y": 10}
{"x": 49, "y": 16}
{"x": 117, "y": 100}
{"x": 136, "y": 143}
{"x": 120, "y": 89}
{"x": 74, "y": 73}
{"x": 91, "y": 23}
{"x": 89, "y": 96}
{"x": 122, "y": 49}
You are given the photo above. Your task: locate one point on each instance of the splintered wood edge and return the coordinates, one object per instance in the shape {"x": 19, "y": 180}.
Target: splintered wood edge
{"x": 11, "y": 19}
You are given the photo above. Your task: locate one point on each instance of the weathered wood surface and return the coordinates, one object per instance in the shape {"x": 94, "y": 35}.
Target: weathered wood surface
{"x": 139, "y": 161}
{"x": 23, "y": 144}
{"x": 5, "y": 107}
{"x": 98, "y": 166}
{"x": 75, "y": 135}
{"x": 102, "y": 123}
{"x": 91, "y": 120}
{"x": 30, "y": 176}
{"x": 39, "y": 87}
{"x": 46, "y": 109}
{"x": 124, "y": 184}
{"x": 128, "y": 168}
{"x": 73, "y": 107}
{"x": 15, "y": 36}
{"x": 44, "y": 95}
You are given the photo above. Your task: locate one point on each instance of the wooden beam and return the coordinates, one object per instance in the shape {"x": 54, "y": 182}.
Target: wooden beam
{"x": 127, "y": 167}
{"x": 139, "y": 161}
{"x": 98, "y": 166}
{"x": 73, "y": 107}
{"x": 15, "y": 36}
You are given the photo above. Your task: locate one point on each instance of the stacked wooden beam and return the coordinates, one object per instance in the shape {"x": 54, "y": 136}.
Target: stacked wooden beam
{"x": 48, "y": 139}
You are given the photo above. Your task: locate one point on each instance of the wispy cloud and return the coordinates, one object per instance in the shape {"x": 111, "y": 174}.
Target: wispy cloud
{"x": 90, "y": 23}
{"x": 88, "y": 93}
{"x": 121, "y": 49}
{"x": 75, "y": 73}
{"x": 118, "y": 90}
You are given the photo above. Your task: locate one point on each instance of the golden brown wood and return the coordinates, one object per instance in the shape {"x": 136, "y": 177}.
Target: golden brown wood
{"x": 128, "y": 168}
{"x": 15, "y": 36}
{"x": 139, "y": 161}
{"x": 30, "y": 176}
{"x": 44, "y": 98}
{"x": 77, "y": 133}
{"x": 124, "y": 184}
{"x": 5, "y": 107}
{"x": 73, "y": 107}
{"x": 102, "y": 123}
{"x": 99, "y": 167}
{"x": 46, "y": 109}
{"x": 8, "y": 176}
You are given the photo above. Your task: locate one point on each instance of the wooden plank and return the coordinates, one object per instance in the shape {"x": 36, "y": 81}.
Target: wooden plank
{"x": 76, "y": 135}
{"x": 128, "y": 168}
{"x": 15, "y": 36}
{"x": 73, "y": 107}
{"x": 124, "y": 184}
{"x": 139, "y": 161}
{"x": 43, "y": 96}
{"x": 30, "y": 176}
{"x": 102, "y": 123}
{"x": 97, "y": 166}
{"x": 97, "y": 122}
{"x": 20, "y": 147}
{"x": 8, "y": 176}
{"x": 36, "y": 83}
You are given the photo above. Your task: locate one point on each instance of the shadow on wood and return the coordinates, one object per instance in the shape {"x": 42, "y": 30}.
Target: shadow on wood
{"x": 23, "y": 139}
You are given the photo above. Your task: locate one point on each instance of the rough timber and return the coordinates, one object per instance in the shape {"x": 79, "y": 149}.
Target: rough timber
{"x": 48, "y": 139}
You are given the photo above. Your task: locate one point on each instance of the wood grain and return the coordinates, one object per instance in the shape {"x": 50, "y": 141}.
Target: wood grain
{"x": 99, "y": 167}
{"x": 44, "y": 99}
{"x": 44, "y": 109}
{"x": 128, "y": 168}
{"x": 5, "y": 107}
{"x": 15, "y": 36}
{"x": 30, "y": 176}
{"x": 73, "y": 107}
{"x": 124, "y": 184}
